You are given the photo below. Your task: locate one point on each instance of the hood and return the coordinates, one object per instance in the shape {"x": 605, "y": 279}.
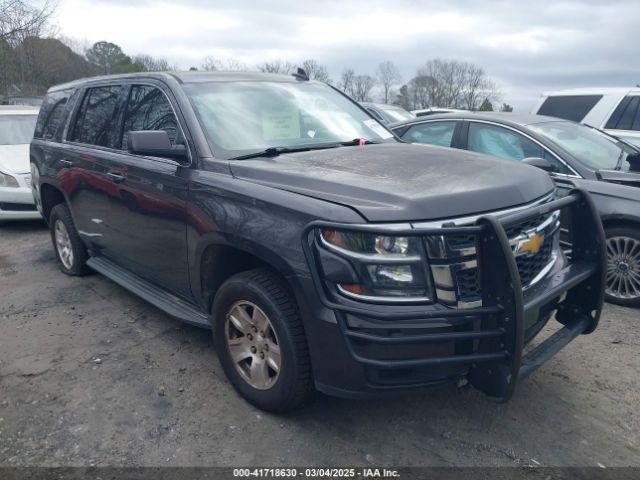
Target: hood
{"x": 401, "y": 182}
{"x": 14, "y": 158}
{"x": 608, "y": 188}
{"x": 629, "y": 178}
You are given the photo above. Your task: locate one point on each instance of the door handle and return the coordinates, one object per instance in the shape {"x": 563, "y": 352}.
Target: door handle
{"x": 66, "y": 163}
{"x": 116, "y": 177}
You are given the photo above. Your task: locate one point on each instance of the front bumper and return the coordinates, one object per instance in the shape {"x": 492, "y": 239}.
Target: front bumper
{"x": 17, "y": 203}
{"x": 372, "y": 349}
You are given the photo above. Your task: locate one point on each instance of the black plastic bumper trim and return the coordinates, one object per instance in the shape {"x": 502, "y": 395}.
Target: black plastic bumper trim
{"x": 433, "y": 337}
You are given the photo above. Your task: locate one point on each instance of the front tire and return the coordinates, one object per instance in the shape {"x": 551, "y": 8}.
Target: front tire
{"x": 623, "y": 266}
{"x": 260, "y": 340}
{"x": 71, "y": 252}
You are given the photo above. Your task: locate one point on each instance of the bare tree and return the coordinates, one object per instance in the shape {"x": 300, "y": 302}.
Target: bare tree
{"x": 449, "y": 83}
{"x": 362, "y": 86}
{"x": 19, "y": 20}
{"x": 316, "y": 71}
{"x": 346, "y": 81}
{"x": 388, "y": 75}
{"x": 212, "y": 64}
{"x": 147, "y": 63}
{"x": 277, "y": 66}
{"x": 478, "y": 88}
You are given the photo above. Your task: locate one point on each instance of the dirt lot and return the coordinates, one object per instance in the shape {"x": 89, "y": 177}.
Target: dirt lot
{"x": 92, "y": 375}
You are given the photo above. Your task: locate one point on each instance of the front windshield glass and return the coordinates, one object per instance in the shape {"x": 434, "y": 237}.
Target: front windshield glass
{"x": 17, "y": 129}
{"x": 245, "y": 117}
{"x": 595, "y": 149}
{"x": 397, "y": 114}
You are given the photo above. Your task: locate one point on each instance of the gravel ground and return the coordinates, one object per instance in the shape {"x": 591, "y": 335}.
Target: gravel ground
{"x": 92, "y": 375}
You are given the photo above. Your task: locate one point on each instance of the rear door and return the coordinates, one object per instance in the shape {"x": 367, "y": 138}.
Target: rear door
{"x": 87, "y": 160}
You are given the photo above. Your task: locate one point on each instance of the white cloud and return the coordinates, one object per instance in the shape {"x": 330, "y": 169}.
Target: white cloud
{"x": 527, "y": 47}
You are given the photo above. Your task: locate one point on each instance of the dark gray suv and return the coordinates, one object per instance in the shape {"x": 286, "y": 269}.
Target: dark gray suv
{"x": 320, "y": 250}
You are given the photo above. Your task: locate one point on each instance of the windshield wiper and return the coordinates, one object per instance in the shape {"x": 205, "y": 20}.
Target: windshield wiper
{"x": 275, "y": 151}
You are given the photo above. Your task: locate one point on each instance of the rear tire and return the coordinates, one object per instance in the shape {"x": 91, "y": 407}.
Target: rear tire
{"x": 71, "y": 252}
{"x": 623, "y": 266}
{"x": 258, "y": 319}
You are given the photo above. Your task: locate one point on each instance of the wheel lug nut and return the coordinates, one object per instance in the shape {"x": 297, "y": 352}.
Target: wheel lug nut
{"x": 250, "y": 337}
{"x": 254, "y": 329}
{"x": 253, "y": 349}
{"x": 262, "y": 355}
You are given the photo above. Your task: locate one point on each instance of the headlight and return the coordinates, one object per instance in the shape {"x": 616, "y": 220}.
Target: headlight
{"x": 8, "y": 181}
{"x": 389, "y": 268}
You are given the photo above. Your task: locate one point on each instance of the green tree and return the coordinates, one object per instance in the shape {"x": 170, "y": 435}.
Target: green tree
{"x": 403, "y": 98}
{"x": 109, "y": 58}
{"x": 506, "y": 108}
{"x": 486, "y": 106}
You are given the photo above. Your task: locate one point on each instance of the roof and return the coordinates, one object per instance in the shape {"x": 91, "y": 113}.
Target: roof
{"x": 592, "y": 91}
{"x": 18, "y": 110}
{"x": 432, "y": 109}
{"x": 503, "y": 117}
{"x": 381, "y": 105}
{"x": 186, "y": 77}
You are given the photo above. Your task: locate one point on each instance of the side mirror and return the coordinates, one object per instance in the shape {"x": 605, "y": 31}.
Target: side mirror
{"x": 540, "y": 163}
{"x": 156, "y": 143}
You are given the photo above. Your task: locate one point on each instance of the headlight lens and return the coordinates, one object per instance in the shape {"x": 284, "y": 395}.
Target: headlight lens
{"x": 366, "y": 243}
{"x": 8, "y": 181}
{"x": 390, "y": 268}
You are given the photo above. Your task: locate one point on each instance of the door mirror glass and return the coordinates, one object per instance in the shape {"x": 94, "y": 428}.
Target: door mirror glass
{"x": 539, "y": 163}
{"x": 156, "y": 143}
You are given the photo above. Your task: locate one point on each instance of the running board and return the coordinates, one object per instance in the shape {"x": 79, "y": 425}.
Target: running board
{"x": 538, "y": 355}
{"x": 158, "y": 297}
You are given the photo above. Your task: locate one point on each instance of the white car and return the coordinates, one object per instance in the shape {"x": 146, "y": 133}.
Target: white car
{"x": 16, "y": 131}
{"x": 614, "y": 110}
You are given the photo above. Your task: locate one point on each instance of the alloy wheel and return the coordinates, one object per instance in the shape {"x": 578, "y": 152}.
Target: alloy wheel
{"x": 253, "y": 345}
{"x": 63, "y": 244}
{"x": 623, "y": 267}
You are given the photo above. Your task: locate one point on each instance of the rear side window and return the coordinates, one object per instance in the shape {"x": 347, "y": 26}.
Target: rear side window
{"x": 626, "y": 116}
{"x": 569, "y": 107}
{"x": 149, "y": 109}
{"x": 433, "y": 133}
{"x": 97, "y": 119}
{"x": 51, "y": 114}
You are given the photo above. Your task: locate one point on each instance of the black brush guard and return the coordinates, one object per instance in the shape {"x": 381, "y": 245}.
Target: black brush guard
{"x": 498, "y": 361}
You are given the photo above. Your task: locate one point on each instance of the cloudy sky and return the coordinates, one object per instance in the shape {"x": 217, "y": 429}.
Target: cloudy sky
{"x": 526, "y": 47}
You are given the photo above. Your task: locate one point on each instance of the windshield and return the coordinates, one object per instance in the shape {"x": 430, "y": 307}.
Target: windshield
{"x": 17, "y": 129}
{"x": 396, "y": 114}
{"x": 593, "y": 148}
{"x": 244, "y": 117}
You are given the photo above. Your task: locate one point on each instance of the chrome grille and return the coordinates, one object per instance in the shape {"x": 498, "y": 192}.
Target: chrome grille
{"x": 454, "y": 266}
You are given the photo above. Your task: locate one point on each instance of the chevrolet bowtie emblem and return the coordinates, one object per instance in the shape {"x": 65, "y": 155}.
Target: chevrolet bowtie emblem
{"x": 530, "y": 245}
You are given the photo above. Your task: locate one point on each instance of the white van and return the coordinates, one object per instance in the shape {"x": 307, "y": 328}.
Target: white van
{"x": 615, "y": 110}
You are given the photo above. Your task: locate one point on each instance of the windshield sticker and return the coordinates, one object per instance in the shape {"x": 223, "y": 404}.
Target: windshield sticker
{"x": 377, "y": 129}
{"x": 281, "y": 125}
